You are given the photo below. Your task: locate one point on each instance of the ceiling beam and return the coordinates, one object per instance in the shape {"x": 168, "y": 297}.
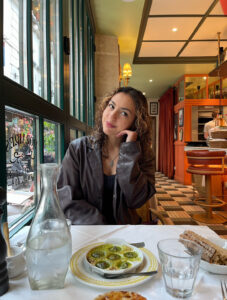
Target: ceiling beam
{"x": 175, "y": 60}
{"x": 143, "y": 23}
{"x": 198, "y": 26}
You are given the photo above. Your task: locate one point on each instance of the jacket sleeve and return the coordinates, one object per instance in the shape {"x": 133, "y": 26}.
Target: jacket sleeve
{"x": 135, "y": 174}
{"x": 77, "y": 209}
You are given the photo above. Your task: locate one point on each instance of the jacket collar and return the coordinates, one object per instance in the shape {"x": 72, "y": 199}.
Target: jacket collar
{"x": 95, "y": 159}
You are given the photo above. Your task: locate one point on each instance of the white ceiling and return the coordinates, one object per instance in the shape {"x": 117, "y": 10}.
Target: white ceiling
{"x": 197, "y": 29}
{"x": 173, "y": 7}
{"x": 149, "y": 45}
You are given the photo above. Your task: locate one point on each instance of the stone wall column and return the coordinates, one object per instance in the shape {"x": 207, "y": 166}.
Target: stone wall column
{"x": 106, "y": 66}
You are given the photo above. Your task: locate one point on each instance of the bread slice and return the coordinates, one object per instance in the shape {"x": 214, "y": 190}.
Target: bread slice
{"x": 211, "y": 252}
{"x": 120, "y": 295}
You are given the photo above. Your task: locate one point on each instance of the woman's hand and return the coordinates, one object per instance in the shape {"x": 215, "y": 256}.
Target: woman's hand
{"x": 131, "y": 135}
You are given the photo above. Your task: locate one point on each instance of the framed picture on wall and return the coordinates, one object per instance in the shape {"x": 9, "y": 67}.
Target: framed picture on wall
{"x": 181, "y": 117}
{"x": 153, "y": 108}
{"x": 175, "y": 127}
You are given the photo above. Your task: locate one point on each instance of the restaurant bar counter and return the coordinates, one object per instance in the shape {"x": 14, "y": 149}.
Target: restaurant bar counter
{"x": 207, "y": 285}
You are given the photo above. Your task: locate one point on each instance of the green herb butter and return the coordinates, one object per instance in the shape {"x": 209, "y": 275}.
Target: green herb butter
{"x": 112, "y": 257}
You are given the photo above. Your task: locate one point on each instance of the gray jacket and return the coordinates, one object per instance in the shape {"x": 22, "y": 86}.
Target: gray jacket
{"x": 80, "y": 183}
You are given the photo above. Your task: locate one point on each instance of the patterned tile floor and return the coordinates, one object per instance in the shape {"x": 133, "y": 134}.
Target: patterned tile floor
{"x": 175, "y": 203}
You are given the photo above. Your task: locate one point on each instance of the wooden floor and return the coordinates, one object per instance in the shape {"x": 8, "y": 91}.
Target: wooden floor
{"x": 175, "y": 203}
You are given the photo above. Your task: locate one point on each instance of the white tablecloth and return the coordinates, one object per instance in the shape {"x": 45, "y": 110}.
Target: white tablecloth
{"x": 207, "y": 285}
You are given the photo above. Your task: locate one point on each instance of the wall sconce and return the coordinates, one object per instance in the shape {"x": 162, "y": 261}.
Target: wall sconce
{"x": 125, "y": 74}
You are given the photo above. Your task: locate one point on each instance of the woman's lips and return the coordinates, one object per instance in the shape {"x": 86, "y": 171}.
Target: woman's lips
{"x": 109, "y": 125}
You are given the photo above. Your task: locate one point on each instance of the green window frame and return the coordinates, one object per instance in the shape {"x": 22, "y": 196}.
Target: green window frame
{"x": 24, "y": 99}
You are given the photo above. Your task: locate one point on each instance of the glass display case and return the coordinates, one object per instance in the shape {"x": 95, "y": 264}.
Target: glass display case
{"x": 201, "y": 86}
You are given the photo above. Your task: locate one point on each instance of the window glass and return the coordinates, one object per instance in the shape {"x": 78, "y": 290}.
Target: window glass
{"x": 21, "y": 162}
{"x": 15, "y": 43}
{"x": 224, "y": 88}
{"x": 39, "y": 49}
{"x": 181, "y": 91}
{"x": 80, "y": 133}
{"x": 73, "y": 59}
{"x": 51, "y": 142}
{"x": 195, "y": 87}
{"x": 54, "y": 52}
{"x": 82, "y": 62}
{"x": 213, "y": 87}
{"x": 73, "y": 134}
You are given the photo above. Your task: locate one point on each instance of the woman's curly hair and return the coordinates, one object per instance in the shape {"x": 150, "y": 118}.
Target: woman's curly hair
{"x": 142, "y": 121}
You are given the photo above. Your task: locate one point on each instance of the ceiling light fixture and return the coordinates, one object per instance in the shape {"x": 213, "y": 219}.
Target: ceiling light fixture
{"x": 174, "y": 29}
{"x": 144, "y": 93}
{"x": 150, "y": 80}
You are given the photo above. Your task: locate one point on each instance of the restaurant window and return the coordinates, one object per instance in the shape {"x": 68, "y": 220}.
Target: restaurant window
{"x": 80, "y": 133}
{"x": 54, "y": 52}
{"x": 51, "y": 137}
{"x": 37, "y": 131}
{"x": 73, "y": 134}
{"x": 73, "y": 59}
{"x": 15, "y": 41}
{"x": 89, "y": 72}
{"x": 81, "y": 51}
{"x": 21, "y": 162}
{"x": 39, "y": 49}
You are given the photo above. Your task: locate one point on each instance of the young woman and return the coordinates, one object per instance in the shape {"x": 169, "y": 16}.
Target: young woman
{"x": 106, "y": 176}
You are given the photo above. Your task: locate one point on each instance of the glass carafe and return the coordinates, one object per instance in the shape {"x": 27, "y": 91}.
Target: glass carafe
{"x": 49, "y": 244}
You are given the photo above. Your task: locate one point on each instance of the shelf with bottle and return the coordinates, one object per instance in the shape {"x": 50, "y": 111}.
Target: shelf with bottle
{"x": 200, "y": 86}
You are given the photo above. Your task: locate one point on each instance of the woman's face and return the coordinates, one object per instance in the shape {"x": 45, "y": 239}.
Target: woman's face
{"x": 119, "y": 114}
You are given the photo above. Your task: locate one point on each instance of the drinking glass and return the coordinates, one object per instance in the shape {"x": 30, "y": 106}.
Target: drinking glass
{"x": 180, "y": 263}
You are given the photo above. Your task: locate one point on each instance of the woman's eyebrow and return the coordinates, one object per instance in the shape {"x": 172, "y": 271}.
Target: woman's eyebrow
{"x": 125, "y": 108}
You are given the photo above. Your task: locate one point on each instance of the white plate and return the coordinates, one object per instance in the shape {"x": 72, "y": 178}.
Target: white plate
{"x": 213, "y": 268}
{"x": 87, "y": 277}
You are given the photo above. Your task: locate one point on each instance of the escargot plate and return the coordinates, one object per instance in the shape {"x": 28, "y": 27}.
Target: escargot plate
{"x": 113, "y": 257}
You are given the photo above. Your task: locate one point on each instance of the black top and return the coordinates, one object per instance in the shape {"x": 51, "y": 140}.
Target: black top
{"x": 108, "y": 198}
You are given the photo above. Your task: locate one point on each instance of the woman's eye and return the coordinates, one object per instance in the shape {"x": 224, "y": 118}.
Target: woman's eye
{"x": 111, "y": 106}
{"x": 124, "y": 114}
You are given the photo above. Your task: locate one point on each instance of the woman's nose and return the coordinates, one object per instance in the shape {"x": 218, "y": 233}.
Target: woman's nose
{"x": 113, "y": 115}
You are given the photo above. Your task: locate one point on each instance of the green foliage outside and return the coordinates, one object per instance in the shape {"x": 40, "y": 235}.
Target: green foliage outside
{"x": 49, "y": 137}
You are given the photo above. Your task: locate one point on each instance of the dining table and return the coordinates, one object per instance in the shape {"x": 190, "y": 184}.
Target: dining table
{"x": 207, "y": 285}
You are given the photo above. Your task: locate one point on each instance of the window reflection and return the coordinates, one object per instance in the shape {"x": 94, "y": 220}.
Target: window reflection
{"x": 21, "y": 162}
{"x": 14, "y": 41}
{"x": 73, "y": 134}
{"x": 195, "y": 87}
{"x": 39, "y": 53}
{"x": 51, "y": 141}
{"x": 224, "y": 88}
{"x": 73, "y": 59}
{"x": 54, "y": 52}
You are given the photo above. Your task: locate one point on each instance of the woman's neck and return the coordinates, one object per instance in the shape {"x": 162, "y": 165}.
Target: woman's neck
{"x": 113, "y": 143}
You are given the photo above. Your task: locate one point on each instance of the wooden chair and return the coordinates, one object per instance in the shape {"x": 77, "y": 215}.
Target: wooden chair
{"x": 160, "y": 217}
{"x": 208, "y": 163}
{"x": 144, "y": 211}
